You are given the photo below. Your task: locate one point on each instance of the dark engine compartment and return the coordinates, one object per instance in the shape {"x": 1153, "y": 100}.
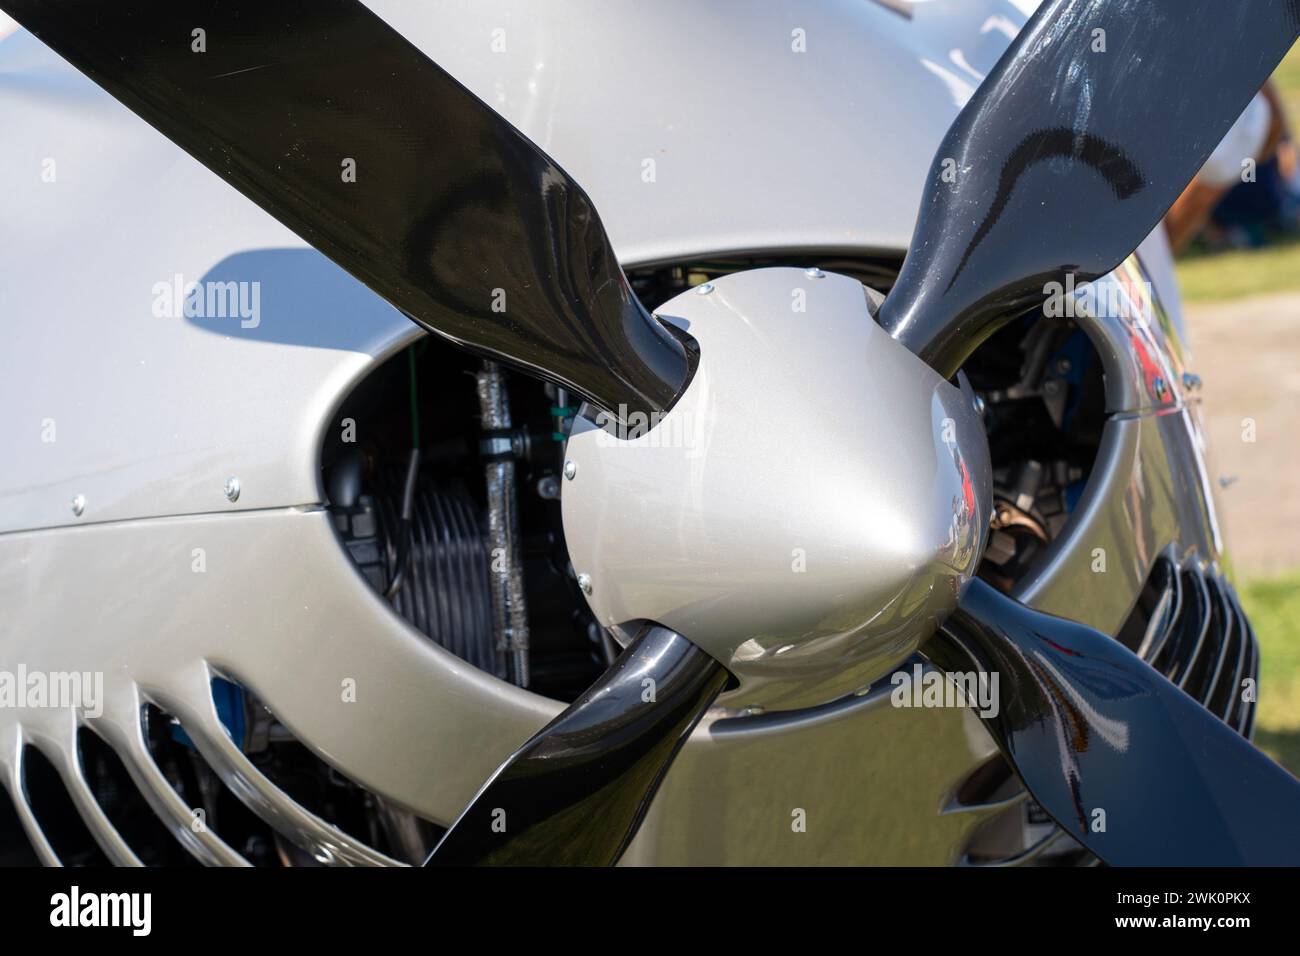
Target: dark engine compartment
{"x": 446, "y": 588}
{"x": 1038, "y": 382}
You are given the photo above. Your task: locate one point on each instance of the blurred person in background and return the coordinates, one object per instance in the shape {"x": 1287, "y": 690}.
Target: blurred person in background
{"x": 1236, "y": 203}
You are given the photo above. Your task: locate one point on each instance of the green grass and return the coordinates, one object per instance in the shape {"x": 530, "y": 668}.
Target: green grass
{"x": 1276, "y": 268}
{"x": 1221, "y": 276}
{"x": 1273, "y": 605}
{"x": 1287, "y": 78}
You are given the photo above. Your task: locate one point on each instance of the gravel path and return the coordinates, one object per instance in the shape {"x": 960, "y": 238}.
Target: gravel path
{"x": 1248, "y": 354}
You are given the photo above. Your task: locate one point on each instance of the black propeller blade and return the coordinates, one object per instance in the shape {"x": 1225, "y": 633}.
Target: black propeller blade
{"x": 1070, "y": 152}
{"x": 333, "y": 123}
{"x": 576, "y": 792}
{"x": 1128, "y": 764}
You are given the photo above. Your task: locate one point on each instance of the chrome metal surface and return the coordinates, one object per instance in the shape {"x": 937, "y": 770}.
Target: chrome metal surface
{"x": 197, "y": 399}
{"x": 1148, "y": 490}
{"x": 440, "y": 712}
{"x": 808, "y": 510}
{"x": 454, "y": 724}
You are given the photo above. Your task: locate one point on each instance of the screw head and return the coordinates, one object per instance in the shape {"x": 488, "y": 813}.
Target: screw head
{"x": 814, "y": 273}
{"x": 570, "y": 469}
{"x": 584, "y": 583}
{"x": 231, "y": 488}
{"x": 548, "y": 487}
{"x": 704, "y": 289}
{"x": 79, "y": 505}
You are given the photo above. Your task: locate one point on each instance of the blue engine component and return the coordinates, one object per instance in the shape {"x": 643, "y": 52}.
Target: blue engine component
{"x": 229, "y": 700}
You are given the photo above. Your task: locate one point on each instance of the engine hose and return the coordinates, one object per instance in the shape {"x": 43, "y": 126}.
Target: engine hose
{"x": 404, "y": 532}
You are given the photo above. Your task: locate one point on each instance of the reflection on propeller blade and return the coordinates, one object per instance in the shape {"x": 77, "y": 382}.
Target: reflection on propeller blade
{"x": 332, "y": 122}
{"x": 1070, "y": 152}
{"x": 576, "y": 792}
{"x": 1129, "y": 765}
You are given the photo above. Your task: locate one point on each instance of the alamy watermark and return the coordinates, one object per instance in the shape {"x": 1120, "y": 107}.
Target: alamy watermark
{"x": 133, "y": 911}
{"x": 83, "y": 690}
{"x": 676, "y": 429}
{"x": 1104, "y": 298}
{"x": 930, "y": 688}
{"x": 209, "y": 300}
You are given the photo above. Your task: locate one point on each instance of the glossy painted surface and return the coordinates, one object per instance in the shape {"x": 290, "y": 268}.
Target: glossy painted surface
{"x": 151, "y": 410}
{"x": 1128, "y": 764}
{"x": 1068, "y": 154}
{"x": 702, "y": 129}
{"x": 426, "y": 730}
{"x": 195, "y": 400}
{"x": 153, "y": 413}
{"x": 577, "y": 791}
{"x": 330, "y": 120}
{"x": 1149, "y": 488}
{"x": 807, "y": 511}
{"x": 1136, "y": 335}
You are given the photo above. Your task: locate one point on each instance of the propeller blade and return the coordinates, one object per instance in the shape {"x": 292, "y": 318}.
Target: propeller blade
{"x": 333, "y": 123}
{"x": 576, "y": 792}
{"x": 1090, "y": 727}
{"x": 1070, "y": 152}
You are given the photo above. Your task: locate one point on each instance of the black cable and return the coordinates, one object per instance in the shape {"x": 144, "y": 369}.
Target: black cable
{"x": 406, "y": 531}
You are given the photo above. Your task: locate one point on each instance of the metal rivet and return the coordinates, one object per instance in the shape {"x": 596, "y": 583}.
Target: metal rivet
{"x": 704, "y": 289}
{"x": 814, "y": 273}
{"x": 584, "y": 582}
{"x": 79, "y": 505}
{"x": 570, "y": 469}
{"x": 231, "y": 488}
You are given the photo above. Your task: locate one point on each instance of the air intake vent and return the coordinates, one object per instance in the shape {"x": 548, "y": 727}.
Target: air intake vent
{"x": 230, "y": 791}
{"x": 1196, "y": 634}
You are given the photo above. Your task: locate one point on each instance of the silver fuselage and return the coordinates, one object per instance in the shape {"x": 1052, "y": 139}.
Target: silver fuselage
{"x": 699, "y": 129}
